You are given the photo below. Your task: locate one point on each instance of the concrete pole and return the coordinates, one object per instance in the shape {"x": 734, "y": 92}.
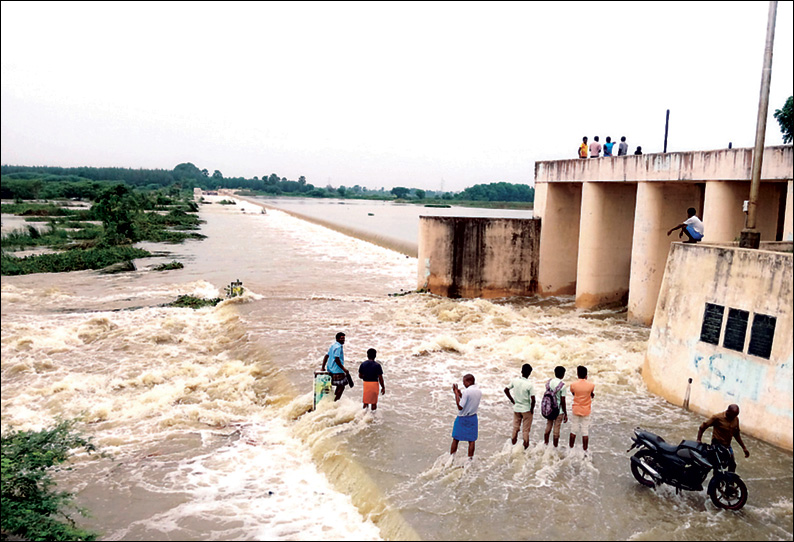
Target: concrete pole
{"x": 751, "y": 238}
{"x": 666, "y": 125}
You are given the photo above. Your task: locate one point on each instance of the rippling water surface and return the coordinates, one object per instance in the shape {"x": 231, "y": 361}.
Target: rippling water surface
{"x": 205, "y": 416}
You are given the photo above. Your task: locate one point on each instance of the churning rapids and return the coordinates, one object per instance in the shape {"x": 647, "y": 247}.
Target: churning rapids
{"x": 205, "y": 416}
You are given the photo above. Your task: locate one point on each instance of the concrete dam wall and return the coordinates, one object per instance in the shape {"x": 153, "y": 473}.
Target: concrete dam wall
{"x": 478, "y": 257}
{"x": 724, "y": 320}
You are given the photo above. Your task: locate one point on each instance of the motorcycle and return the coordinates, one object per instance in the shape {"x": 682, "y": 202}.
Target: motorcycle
{"x": 686, "y": 466}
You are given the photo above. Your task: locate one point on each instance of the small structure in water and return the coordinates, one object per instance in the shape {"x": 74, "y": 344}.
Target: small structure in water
{"x": 322, "y": 386}
{"x": 234, "y": 289}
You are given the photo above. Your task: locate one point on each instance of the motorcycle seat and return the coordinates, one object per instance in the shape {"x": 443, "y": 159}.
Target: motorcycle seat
{"x": 659, "y": 442}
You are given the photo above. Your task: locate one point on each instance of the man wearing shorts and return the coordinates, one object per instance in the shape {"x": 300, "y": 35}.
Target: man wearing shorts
{"x": 335, "y": 360}
{"x": 523, "y": 403}
{"x": 465, "y": 428}
{"x": 692, "y": 227}
{"x": 582, "y": 391}
{"x": 372, "y": 374}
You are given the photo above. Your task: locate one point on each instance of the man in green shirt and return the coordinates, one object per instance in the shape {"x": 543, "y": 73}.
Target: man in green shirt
{"x": 524, "y": 403}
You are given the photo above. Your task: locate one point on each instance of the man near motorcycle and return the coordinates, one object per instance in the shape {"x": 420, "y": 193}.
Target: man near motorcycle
{"x": 725, "y": 427}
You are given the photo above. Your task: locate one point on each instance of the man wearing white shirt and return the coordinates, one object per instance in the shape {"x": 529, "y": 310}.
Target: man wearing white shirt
{"x": 692, "y": 227}
{"x": 465, "y": 428}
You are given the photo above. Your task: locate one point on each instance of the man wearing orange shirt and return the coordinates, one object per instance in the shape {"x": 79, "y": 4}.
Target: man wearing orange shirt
{"x": 582, "y": 391}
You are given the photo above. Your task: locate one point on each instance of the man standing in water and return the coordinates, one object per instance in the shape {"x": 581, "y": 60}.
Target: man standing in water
{"x": 557, "y": 386}
{"x": 582, "y": 391}
{"x": 465, "y": 428}
{"x": 335, "y": 358}
{"x": 725, "y": 427}
{"x": 371, "y": 373}
{"x": 524, "y": 403}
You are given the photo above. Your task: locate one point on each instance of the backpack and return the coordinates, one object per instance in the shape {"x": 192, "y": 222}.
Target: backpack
{"x": 549, "y": 408}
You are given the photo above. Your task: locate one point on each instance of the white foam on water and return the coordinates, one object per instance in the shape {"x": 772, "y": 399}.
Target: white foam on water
{"x": 142, "y": 378}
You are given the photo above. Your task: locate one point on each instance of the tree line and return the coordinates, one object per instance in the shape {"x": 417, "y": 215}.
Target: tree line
{"x": 46, "y": 182}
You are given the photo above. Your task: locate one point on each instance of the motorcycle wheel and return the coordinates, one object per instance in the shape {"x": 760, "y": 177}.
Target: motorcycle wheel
{"x": 640, "y": 475}
{"x": 728, "y": 492}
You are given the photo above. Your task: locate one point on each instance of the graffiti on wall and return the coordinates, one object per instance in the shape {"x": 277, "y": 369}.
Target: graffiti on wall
{"x": 732, "y": 376}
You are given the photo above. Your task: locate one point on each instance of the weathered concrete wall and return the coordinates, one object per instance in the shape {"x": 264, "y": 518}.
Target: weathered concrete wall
{"x": 757, "y": 281}
{"x": 607, "y": 227}
{"x": 788, "y": 223}
{"x": 559, "y": 208}
{"x": 478, "y": 257}
{"x": 693, "y": 166}
{"x": 660, "y": 206}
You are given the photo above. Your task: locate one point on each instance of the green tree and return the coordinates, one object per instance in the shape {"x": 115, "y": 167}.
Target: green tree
{"x": 217, "y": 174}
{"x": 32, "y": 508}
{"x": 785, "y": 117}
{"x": 188, "y": 170}
{"x": 420, "y": 194}
{"x": 118, "y": 209}
{"x": 400, "y": 191}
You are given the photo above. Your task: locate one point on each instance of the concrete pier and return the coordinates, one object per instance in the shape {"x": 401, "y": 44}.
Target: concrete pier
{"x": 605, "y": 220}
{"x": 478, "y": 257}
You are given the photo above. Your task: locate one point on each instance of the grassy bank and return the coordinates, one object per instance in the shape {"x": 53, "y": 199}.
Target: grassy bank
{"x": 99, "y": 236}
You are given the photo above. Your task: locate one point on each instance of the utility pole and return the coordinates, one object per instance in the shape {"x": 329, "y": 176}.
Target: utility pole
{"x": 751, "y": 238}
{"x": 666, "y": 126}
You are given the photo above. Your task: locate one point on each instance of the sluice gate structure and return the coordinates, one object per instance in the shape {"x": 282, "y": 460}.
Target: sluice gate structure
{"x": 721, "y": 315}
{"x": 605, "y": 220}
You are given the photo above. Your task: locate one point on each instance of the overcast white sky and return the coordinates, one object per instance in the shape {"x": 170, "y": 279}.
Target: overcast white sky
{"x": 428, "y": 95}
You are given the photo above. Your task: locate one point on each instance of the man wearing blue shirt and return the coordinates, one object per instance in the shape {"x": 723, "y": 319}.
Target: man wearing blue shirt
{"x": 335, "y": 360}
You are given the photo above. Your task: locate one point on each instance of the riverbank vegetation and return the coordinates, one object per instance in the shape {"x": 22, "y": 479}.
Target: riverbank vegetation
{"x": 91, "y": 234}
{"x": 29, "y": 182}
{"x": 32, "y": 507}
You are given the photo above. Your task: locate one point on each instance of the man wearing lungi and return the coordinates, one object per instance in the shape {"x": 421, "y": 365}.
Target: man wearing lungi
{"x": 372, "y": 374}
{"x": 335, "y": 358}
{"x": 465, "y": 427}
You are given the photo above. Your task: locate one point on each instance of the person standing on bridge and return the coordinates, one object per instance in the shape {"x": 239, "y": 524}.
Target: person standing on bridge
{"x": 623, "y": 148}
{"x": 692, "y": 227}
{"x": 583, "y": 148}
{"x": 595, "y": 148}
{"x": 608, "y": 147}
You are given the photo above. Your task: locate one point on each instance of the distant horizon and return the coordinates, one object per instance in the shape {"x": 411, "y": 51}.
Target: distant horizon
{"x": 378, "y": 187}
{"x": 437, "y": 95}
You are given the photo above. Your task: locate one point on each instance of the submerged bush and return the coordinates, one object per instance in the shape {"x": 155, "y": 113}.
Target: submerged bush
{"x": 31, "y": 506}
{"x": 192, "y": 302}
{"x": 70, "y": 260}
{"x": 168, "y": 266}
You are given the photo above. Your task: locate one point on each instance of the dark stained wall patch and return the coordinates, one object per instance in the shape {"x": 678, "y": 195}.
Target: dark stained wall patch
{"x": 736, "y": 329}
{"x": 712, "y": 324}
{"x": 761, "y": 336}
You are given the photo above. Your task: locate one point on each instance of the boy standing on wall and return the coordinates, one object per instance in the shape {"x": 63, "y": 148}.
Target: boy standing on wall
{"x": 583, "y": 148}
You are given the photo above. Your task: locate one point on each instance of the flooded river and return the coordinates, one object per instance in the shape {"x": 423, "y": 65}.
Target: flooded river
{"x": 205, "y": 416}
